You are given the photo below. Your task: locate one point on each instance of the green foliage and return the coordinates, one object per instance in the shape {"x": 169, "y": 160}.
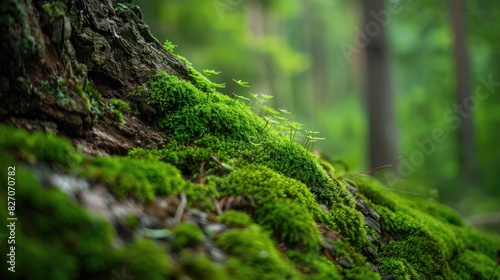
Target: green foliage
{"x": 187, "y": 234}
{"x": 39, "y": 146}
{"x": 253, "y": 255}
{"x": 199, "y": 266}
{"x": 120, "y": 105}
{"x": 290, "y": 223}
{"x": 285, "y": 184}
{"x": 235, "y": 218}
{"x": 314, "y": 266}
{"x": 60, "y": 240}
{"x": 142, "y": 179}
{"x": 427, "y": 239}
{"x": 169, "y": 46}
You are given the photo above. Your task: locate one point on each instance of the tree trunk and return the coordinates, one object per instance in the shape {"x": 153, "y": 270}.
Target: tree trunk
{"x": 55, "y": 54}
{"x": 379, "y": 89}
{"x": 466, "y": 142}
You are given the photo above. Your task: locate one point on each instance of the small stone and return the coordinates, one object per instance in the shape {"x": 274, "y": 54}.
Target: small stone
{"x": 215, "y": 228}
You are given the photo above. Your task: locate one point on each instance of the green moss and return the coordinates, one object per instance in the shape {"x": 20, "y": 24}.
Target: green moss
{"x": 474, "y": 265}
{"x": 427, "y": 240}
{"x": 39, "y": 146}
{"x": 55, "y": 9}
{"x": 169, "y": 46}
{"x": 57, "y": 239}
{"x": 254, "y": 256}
{"x": 188, "y": 235}
{"x": 119, "y": 105}
{"x": 142, "y": 179}
{"x": 199, "y": 266}
{"x": 235, "y": 218}
{"x": 119, "y": 116}
{"x": 291, "y": 222}
{"x": 314, "y": 266}
{"x": 79, "y": 90}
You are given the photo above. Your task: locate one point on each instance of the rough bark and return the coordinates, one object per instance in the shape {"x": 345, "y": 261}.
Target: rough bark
{"x": 379, "y": 91}
{"x": 51, "y": 54}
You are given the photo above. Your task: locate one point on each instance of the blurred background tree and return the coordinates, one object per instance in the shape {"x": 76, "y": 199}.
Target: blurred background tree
{"x": 311, "y": 56}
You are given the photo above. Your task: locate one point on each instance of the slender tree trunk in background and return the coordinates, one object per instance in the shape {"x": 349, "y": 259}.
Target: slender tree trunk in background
{"x": 379, "y": 89}
{"x": 466, "y": 142}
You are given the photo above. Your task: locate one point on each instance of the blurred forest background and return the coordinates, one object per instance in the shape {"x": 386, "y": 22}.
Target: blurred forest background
{"x": 415, "y": 84}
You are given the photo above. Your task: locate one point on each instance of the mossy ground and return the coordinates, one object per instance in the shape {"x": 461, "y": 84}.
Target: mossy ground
{"x": 273, "y": 193}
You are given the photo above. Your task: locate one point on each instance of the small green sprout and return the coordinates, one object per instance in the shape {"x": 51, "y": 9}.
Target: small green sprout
{"x": 269, "y": 120}
{"x": 294, "y": 126}
{"x": 236, "y": 97}
{"x": 256, "y": 99}
{"x": 266, "y": 97}
{"x": 309, "y": 140}
{"x": 169, "y": 46}
{"x": 241, "y": 83}
{"x": 255, "y": 96}
{"x": 286, "y": 112}
{"x": 270, "y": 110}
{"x": 216, "y": 85}
{"x": 209, "y": 73}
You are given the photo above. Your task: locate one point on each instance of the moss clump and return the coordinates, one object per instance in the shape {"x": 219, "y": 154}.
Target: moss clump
{"x": 235, "y": 218}
{"x": 195, "y": 116}
{"x": 188, "y": 235}
{"x": 254, "y": 256}
{"x": 217, "y": 125}
{"x": 143, "y": 179}
{"x": 199, "y": 266}
{"x": 427, "y": 240}
{"x": 314, "y": 266}
{"x": 38, "y": 147}
{"x": 281, "y": 155}
{"x": 57, "y": 239}
{"x": 117, "y": 108}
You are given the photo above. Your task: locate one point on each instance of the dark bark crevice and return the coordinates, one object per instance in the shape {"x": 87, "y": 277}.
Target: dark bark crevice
{"x": 52, "y": 52}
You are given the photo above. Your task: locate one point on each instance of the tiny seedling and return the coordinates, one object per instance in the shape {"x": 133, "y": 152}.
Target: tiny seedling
{"x": 241, "y": 84}
{"x": 286, "y": 112}
{"x": 294, "y": 126}
{"x": 209, "y": 73}
{"x": 169, "y": 46}
{"x": 270, "y": 110}
{"x": 266, "y": 97}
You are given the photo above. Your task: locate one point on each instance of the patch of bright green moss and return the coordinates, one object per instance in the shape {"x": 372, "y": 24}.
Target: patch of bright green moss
{"x": 230, "y": 131}
{"x": 427, "y": 240}
{"x": 57, "y": 239}
{"x": 314, "y": 266}
{"x": 235, "y": 218}
{"x": 253, "y": 255}
{"x": 187, "y": 234}
{"x": 38, "y": 146}
{"x": 199, "y": 266}
{"x": 143, "y": 179}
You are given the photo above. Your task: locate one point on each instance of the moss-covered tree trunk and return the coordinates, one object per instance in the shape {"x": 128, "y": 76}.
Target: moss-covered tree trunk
{"x": 230, "y": 197}
{"x": 63, "y": 63}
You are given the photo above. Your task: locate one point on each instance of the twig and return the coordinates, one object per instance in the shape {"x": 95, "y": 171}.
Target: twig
{"x": 180, "y": 208}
